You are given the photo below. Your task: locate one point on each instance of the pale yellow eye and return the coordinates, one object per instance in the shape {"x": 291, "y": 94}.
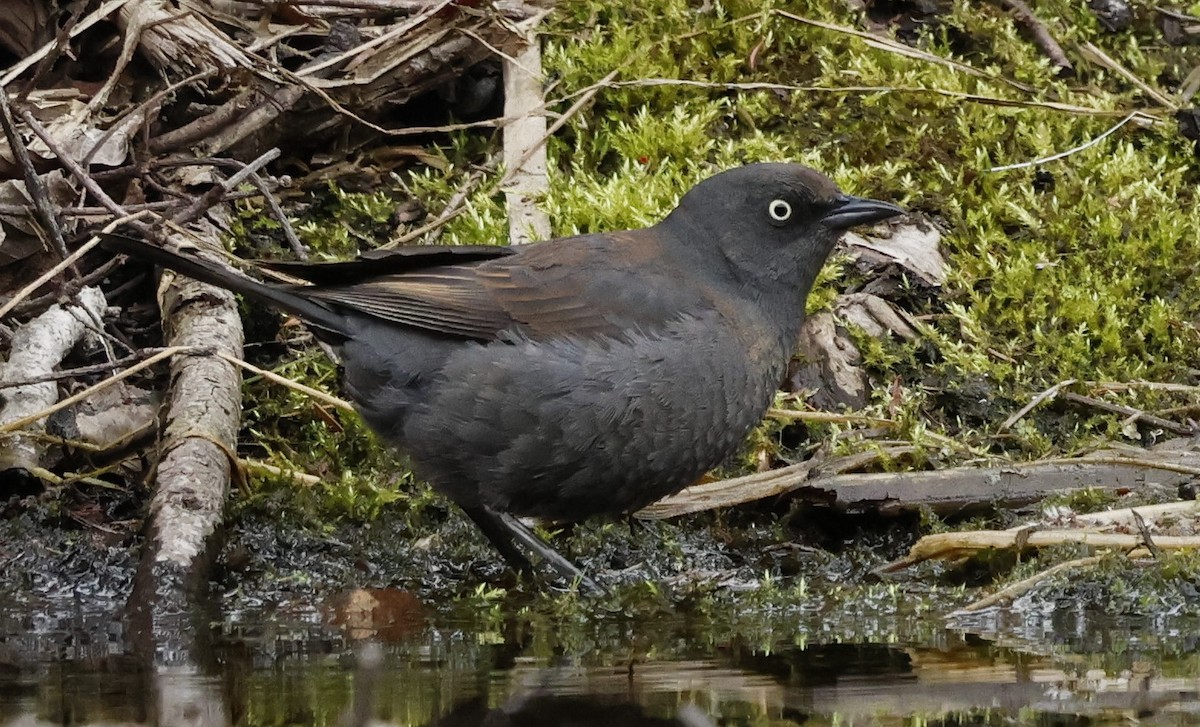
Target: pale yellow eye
{"x": 779, "y": 210}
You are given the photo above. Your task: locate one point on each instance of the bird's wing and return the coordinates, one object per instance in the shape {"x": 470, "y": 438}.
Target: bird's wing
{"x": 373, "y": 263}
{"x": 543, "y": 291}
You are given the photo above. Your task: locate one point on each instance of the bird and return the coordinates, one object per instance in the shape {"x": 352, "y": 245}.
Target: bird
{"x": 581, "y": 376}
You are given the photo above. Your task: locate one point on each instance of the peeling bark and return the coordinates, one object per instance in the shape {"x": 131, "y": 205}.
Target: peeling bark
{"x": 193, "y": 475}
{"x": 525, "y": 145}
{"x": 37, "y": 348}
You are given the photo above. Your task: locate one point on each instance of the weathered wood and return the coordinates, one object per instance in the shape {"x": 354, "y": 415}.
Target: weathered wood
{"x": 963, "y": 489}
{"x": 193, "y": 475}
{"x": 524, "y": 145}
{"x": 37, "y": 348}
{"x": 945, "y": 492}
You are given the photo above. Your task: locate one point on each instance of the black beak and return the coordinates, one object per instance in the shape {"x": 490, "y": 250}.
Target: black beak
{"x": 851, "y": 211}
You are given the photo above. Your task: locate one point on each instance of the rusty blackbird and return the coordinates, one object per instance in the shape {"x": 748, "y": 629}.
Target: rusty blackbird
{"x": 579, "y": 376}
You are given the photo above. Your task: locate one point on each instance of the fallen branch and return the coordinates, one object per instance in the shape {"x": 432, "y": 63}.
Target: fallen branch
{"x": 524, "y": 148}
{"x": 760, "y": 485}
{"x": 949, "y": 491}
{"x": 1041, "y": 35}
{"x": 955, "y": 546}
{"x": 1014, "y": 590}
{"x": 37, "y": 348}
{"x": 197, "y": 448}
{"x": 1130, "y": 412}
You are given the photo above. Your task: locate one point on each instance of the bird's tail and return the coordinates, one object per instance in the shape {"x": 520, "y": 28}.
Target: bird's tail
{"x": 325, "y": 322}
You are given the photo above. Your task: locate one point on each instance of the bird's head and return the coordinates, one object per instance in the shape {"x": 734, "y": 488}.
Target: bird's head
{"x": 775, "y": 224}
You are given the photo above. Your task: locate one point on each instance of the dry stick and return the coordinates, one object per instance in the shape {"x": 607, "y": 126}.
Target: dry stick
{"x": 396, "y": 32}
{"x": 1118, "y": 517}
{"x": 1147, "y": 539}
{"x": 524, "y": 91}
{"x": 1101, "y": 58}
{"x": 59, "y": 46}
{"x": 91, "y": 19}
{"x": 403, "y": 6}
{"x": 1013, "y": 590}
{"x": 509, "y": 58}
{"x": 155, "y": 98}
{"x": 955, "y": 545}
{"x": 1046, "y": 395}
{"x": 941, "y": 439}
{"x": 454, "y": 206}
{"x": 1152, "y": 464}
{"x": 47, "y": 476}
{"x": 259, "y": 117}
{"x": 827, "y": 417}
{"x": 73, "y": 166}
{"x": 303, "y": 478}
{"x": 219, "y": 190}
{"x": 289, "y": 232}
{"x": 956, "y": 95}
{"x": 84, "y": 370}
{"x": 82, "y": 211}
{"x": 68, "y": 290}
{"x": 575, "y": 108}
{"x": 898, "y": 48}
{"x": 33, "y": 181}
{"x": 70, "y": 260}
{"x": 1151, "y": 385}
{"x": 23, "y": 421}
{"x": 294, "y": 385}
{"x": 1073, "y": 150}
{"x": 204, "y": 126}
{"x": 561, "y": 121}
{"x": 1041, "y": 34}
{"x": 1129, "y": 412}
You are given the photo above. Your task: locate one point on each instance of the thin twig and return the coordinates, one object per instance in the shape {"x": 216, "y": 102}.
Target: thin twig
{"x": 561, "y": 121}
{"x": 61, "y": 481}
{"x": 898, "y": 48}
{"x": 1150, "y": 385}
{"x": 1041, "y": 35}
{"x": 793, "y": 415}
{"x": 263, "y": 468}
{"x": 454, "y": 206}
{"x": 34, "y": 184}
{"x": 69, "y": 290}
{"x": 1147, "y": 539}
{"x": 17, "y": 424}
{"x": 1129, "y": 411}
{"x": 91, "y": 19}
{"x": 204, "y": 126}
{"x": 398, "y": 31}
{"x": 68, "y": 261}
{"x": 1101, "y": 58}
{"x": 73, "y": 166}
{"x": 956, "y": 95}
{"x": 116, "y": 123}
{"x": 1073, "y": 150}
{"x": 219, "y": 190}
{"x": 289, "y": 232}
{"x": 294, "y": 385}
{"x": 1152, "y": 464}
{"x": 1048, "y": 394}
{"x": 78, "y": 371}
{"x": 1013, "y": 590}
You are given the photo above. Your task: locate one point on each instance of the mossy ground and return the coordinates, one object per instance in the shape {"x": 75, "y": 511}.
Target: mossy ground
{"x": 1079, "y": 268}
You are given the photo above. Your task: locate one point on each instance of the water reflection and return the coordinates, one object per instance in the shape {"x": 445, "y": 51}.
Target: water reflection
{"x": 300, "y": 668}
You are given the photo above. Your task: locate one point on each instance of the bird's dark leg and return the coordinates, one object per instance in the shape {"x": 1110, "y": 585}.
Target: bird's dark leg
{"x": 561, "y": 565}
{"x": 505, "y": 531}
{"x": 501, "y": 538}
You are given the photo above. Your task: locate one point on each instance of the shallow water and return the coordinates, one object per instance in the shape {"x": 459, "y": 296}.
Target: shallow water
{"x": 300, "y": 666}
